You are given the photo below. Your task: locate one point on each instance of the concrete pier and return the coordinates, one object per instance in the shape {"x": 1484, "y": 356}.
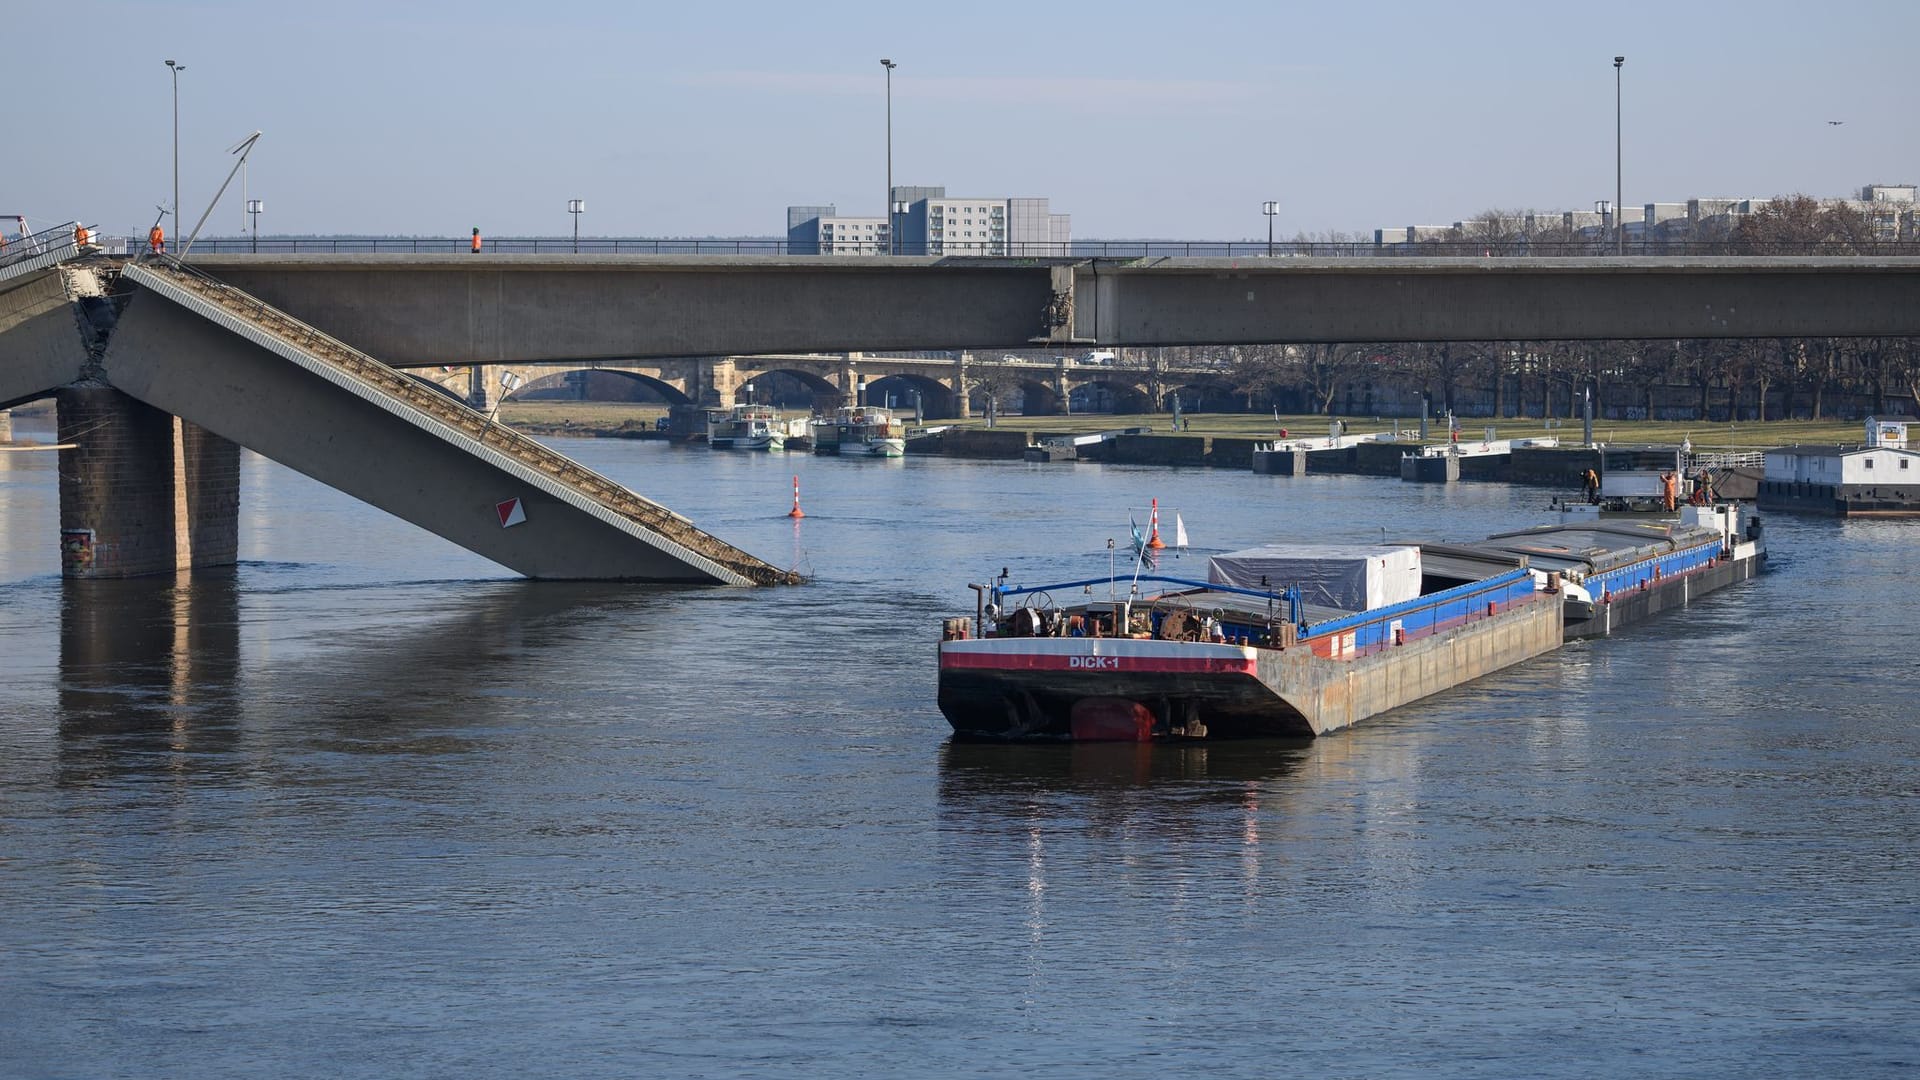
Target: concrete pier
{"x": 144, "y": 492}
{"x": 1430, "y": 468}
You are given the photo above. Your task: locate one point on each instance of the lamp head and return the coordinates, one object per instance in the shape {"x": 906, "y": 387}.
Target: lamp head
{"x": 170, "y": 63}
{"x": 1618, "y": 60}
{"x": 888, "y": 64}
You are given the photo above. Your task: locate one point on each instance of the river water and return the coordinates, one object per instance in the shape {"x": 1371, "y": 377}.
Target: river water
{"x": 367, "y": 806}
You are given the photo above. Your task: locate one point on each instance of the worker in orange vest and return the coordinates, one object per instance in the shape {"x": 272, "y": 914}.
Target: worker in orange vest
{"x": 476, "y": 239}
{"x": 1671, "y": 485}
{"x": 81, "y": 236}
{"x": 157, "y": 239}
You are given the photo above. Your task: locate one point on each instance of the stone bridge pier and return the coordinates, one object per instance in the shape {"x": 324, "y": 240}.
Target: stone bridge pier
{"x": 144, "y": 492}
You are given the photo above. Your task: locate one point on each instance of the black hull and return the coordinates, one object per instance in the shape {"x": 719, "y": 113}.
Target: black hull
{"x": 1023, "y": 705}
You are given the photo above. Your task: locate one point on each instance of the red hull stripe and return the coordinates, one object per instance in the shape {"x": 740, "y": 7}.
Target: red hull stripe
{"x": 1011, "y": 661}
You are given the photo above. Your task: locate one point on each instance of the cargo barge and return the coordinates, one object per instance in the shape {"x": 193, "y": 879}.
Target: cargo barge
{"x": 1612, "y": 573}
{"x": 1293, "y": 642}
{"x": 1281, "y": 642}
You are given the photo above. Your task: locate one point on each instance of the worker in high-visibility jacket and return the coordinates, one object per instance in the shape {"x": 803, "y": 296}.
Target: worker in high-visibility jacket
{"x": 476, "y": 239}
{"x": 157, "y": 239}
{"x": 82, "y": 236}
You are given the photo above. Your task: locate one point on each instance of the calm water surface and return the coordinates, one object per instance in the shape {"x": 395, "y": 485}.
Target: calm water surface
{"x": 368, "y": 806}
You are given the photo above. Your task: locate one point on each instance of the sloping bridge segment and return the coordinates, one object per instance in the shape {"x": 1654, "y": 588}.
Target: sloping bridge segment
{"x": 43, "y": 339}
{"x": 221, "y": 359}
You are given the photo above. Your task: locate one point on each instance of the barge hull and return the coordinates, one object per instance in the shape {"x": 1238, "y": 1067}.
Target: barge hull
{"x": 1026, "y": 687}
{"x": 1633, "y": 606}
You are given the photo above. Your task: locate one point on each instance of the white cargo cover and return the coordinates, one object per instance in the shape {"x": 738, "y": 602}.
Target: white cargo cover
{"x": 1348, "y": 578}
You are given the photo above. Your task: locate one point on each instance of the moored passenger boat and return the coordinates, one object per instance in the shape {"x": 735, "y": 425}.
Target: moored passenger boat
{"x": 746, "y": 427}
{"x": 1277, "y": 642}
{"x": 860, "y": 430}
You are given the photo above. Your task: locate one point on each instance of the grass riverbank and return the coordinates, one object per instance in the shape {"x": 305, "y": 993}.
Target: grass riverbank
{"x": 595, "y": 418}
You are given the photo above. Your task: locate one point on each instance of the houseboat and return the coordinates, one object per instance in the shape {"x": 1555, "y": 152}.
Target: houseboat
{"x": 1879, "y": 479}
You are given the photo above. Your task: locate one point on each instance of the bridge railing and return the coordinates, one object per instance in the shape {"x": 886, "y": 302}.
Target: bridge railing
{"x": 1086, "y": 249}
{"x": 470, "y": 421}
{"x": 1731, "y": 459}
{"x": 22, "y": 248}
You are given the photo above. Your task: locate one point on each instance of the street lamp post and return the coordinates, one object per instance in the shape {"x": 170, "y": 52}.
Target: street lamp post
{"x": 1619, "y": 199}
{"x": 1269, "y": 208}
{"x": 576, "y": 207}
{"x": 176, "y": 69}
{"x": 254, "y": 206}
{"x": 889, "y": 65}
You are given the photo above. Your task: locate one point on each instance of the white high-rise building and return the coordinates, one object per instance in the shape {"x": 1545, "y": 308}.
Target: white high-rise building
{"x": 931, "y": 222}
{"x": 950, "y": 225}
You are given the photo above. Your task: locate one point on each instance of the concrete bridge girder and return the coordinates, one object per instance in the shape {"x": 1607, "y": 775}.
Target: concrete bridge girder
{"x": 421, "y": 310}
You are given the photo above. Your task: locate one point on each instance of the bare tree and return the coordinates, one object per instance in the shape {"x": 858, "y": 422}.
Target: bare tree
{"x": 1799, "y": 224}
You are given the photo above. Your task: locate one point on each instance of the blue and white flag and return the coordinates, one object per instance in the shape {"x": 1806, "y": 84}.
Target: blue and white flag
{"x": 1140, "y": 549}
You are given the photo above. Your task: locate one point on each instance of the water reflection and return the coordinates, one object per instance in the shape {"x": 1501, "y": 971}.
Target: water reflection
{"x": 196, "y": 672}
{"x": 1179, "y": 808}
{"x": 991, "y": 772}
{"x": 147, "y": 655}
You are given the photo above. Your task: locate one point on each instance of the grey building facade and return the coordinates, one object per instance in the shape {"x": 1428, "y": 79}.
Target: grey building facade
{"x": 928, "y": 221}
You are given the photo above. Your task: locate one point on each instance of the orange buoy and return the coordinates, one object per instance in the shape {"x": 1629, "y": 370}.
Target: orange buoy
{"x": 795, "y": 512}
{"x": 1153, "y": 531}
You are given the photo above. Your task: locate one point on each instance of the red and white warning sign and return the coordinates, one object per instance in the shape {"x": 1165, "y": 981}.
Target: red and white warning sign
{"x": 511, "y": 513}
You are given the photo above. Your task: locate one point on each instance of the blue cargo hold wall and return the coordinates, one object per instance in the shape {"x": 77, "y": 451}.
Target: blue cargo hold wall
{"x": 1373, "y": 630}
{"x": 1643, "y": 574}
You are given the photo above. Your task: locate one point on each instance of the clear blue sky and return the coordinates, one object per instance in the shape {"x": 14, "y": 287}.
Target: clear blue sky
{"x": 1162, "y": 119}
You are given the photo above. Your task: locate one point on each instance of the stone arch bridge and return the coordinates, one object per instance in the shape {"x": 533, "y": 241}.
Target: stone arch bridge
{"x": 839, "y": 378}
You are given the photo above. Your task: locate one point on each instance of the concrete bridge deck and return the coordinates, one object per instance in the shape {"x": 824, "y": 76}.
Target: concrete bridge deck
{"x": 413, "y": 310}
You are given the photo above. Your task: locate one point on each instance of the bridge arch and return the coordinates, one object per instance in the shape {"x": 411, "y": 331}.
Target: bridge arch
{"x": 1204, "y": 395}
{"x": 936, "y": 397}
{"x": 825, "y": 391}
{"x": 452, "y": 385}
{"x": 549, "y": 377}
{"x": 1113, "y": 395}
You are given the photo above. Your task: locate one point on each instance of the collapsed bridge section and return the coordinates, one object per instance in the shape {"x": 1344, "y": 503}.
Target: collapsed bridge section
{"x": 245, "y": 371}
